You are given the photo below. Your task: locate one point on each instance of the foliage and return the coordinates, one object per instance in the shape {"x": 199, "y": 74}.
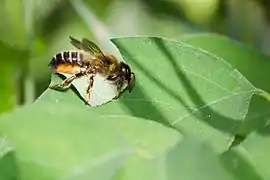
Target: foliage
{"x": 199, "y": 108}
{"x": 178, "y": 122}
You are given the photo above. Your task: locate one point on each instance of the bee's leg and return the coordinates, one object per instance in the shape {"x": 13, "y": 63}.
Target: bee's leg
{"x": 89, "y": 88}
{"x": 119, "y": 86}
{"x": 131, "y": 82}
{"x": 66, "y": 83}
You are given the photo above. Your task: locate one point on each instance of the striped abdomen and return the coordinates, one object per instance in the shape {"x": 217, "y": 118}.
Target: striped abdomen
{"x": 67, "y": 62}
{"x": 66, "y": 57}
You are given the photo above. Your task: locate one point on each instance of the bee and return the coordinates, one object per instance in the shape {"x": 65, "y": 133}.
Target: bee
{"x": 88, "y": 60}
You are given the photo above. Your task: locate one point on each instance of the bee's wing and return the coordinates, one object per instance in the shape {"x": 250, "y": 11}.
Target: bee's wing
{"x": 76, "y": 43}
{"x": 88, "y": 46}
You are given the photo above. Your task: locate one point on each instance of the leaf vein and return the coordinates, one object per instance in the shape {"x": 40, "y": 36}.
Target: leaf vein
{"x": 206, "y": 79}
{"x": 209, "y": 104}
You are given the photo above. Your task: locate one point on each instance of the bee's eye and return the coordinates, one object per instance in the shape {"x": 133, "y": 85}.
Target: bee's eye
{"x": 123, "y": 68}
{"x": 126, "y": 71}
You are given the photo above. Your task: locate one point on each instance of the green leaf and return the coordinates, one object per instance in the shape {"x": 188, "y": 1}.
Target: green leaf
{"x": 67, "y": 143}
{"x": 10, "y": 59}
{"x": 12, "y": 23}
{"x": 8, "y": 169}
{"x": 177, "y": 85}
{"x": 249, "y": 62}
{"x": 193, "y": 160}
{"x": 182, "y": 86}
{"x": 250, "y": 159}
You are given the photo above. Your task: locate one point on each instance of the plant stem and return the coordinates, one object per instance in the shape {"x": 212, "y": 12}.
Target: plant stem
{"x": 263, "y": 94}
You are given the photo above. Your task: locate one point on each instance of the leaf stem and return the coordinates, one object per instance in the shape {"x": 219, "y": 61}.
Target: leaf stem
{"x": 263, "y": 94}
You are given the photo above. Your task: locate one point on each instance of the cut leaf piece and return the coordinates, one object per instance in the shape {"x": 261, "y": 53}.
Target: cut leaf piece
{"x": 102, "y": 92}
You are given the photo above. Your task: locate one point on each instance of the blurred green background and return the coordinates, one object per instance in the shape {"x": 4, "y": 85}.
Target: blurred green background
{"x": 32, "y": 31}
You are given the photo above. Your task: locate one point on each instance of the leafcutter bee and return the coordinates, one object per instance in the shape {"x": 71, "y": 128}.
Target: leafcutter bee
{"x": 88, "y": 60}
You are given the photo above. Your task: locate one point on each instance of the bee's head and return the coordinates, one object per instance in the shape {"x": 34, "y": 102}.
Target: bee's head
{"x": 126, "y": 73}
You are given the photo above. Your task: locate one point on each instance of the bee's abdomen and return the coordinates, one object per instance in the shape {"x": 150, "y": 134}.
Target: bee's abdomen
{"x": 66, "y": 57}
